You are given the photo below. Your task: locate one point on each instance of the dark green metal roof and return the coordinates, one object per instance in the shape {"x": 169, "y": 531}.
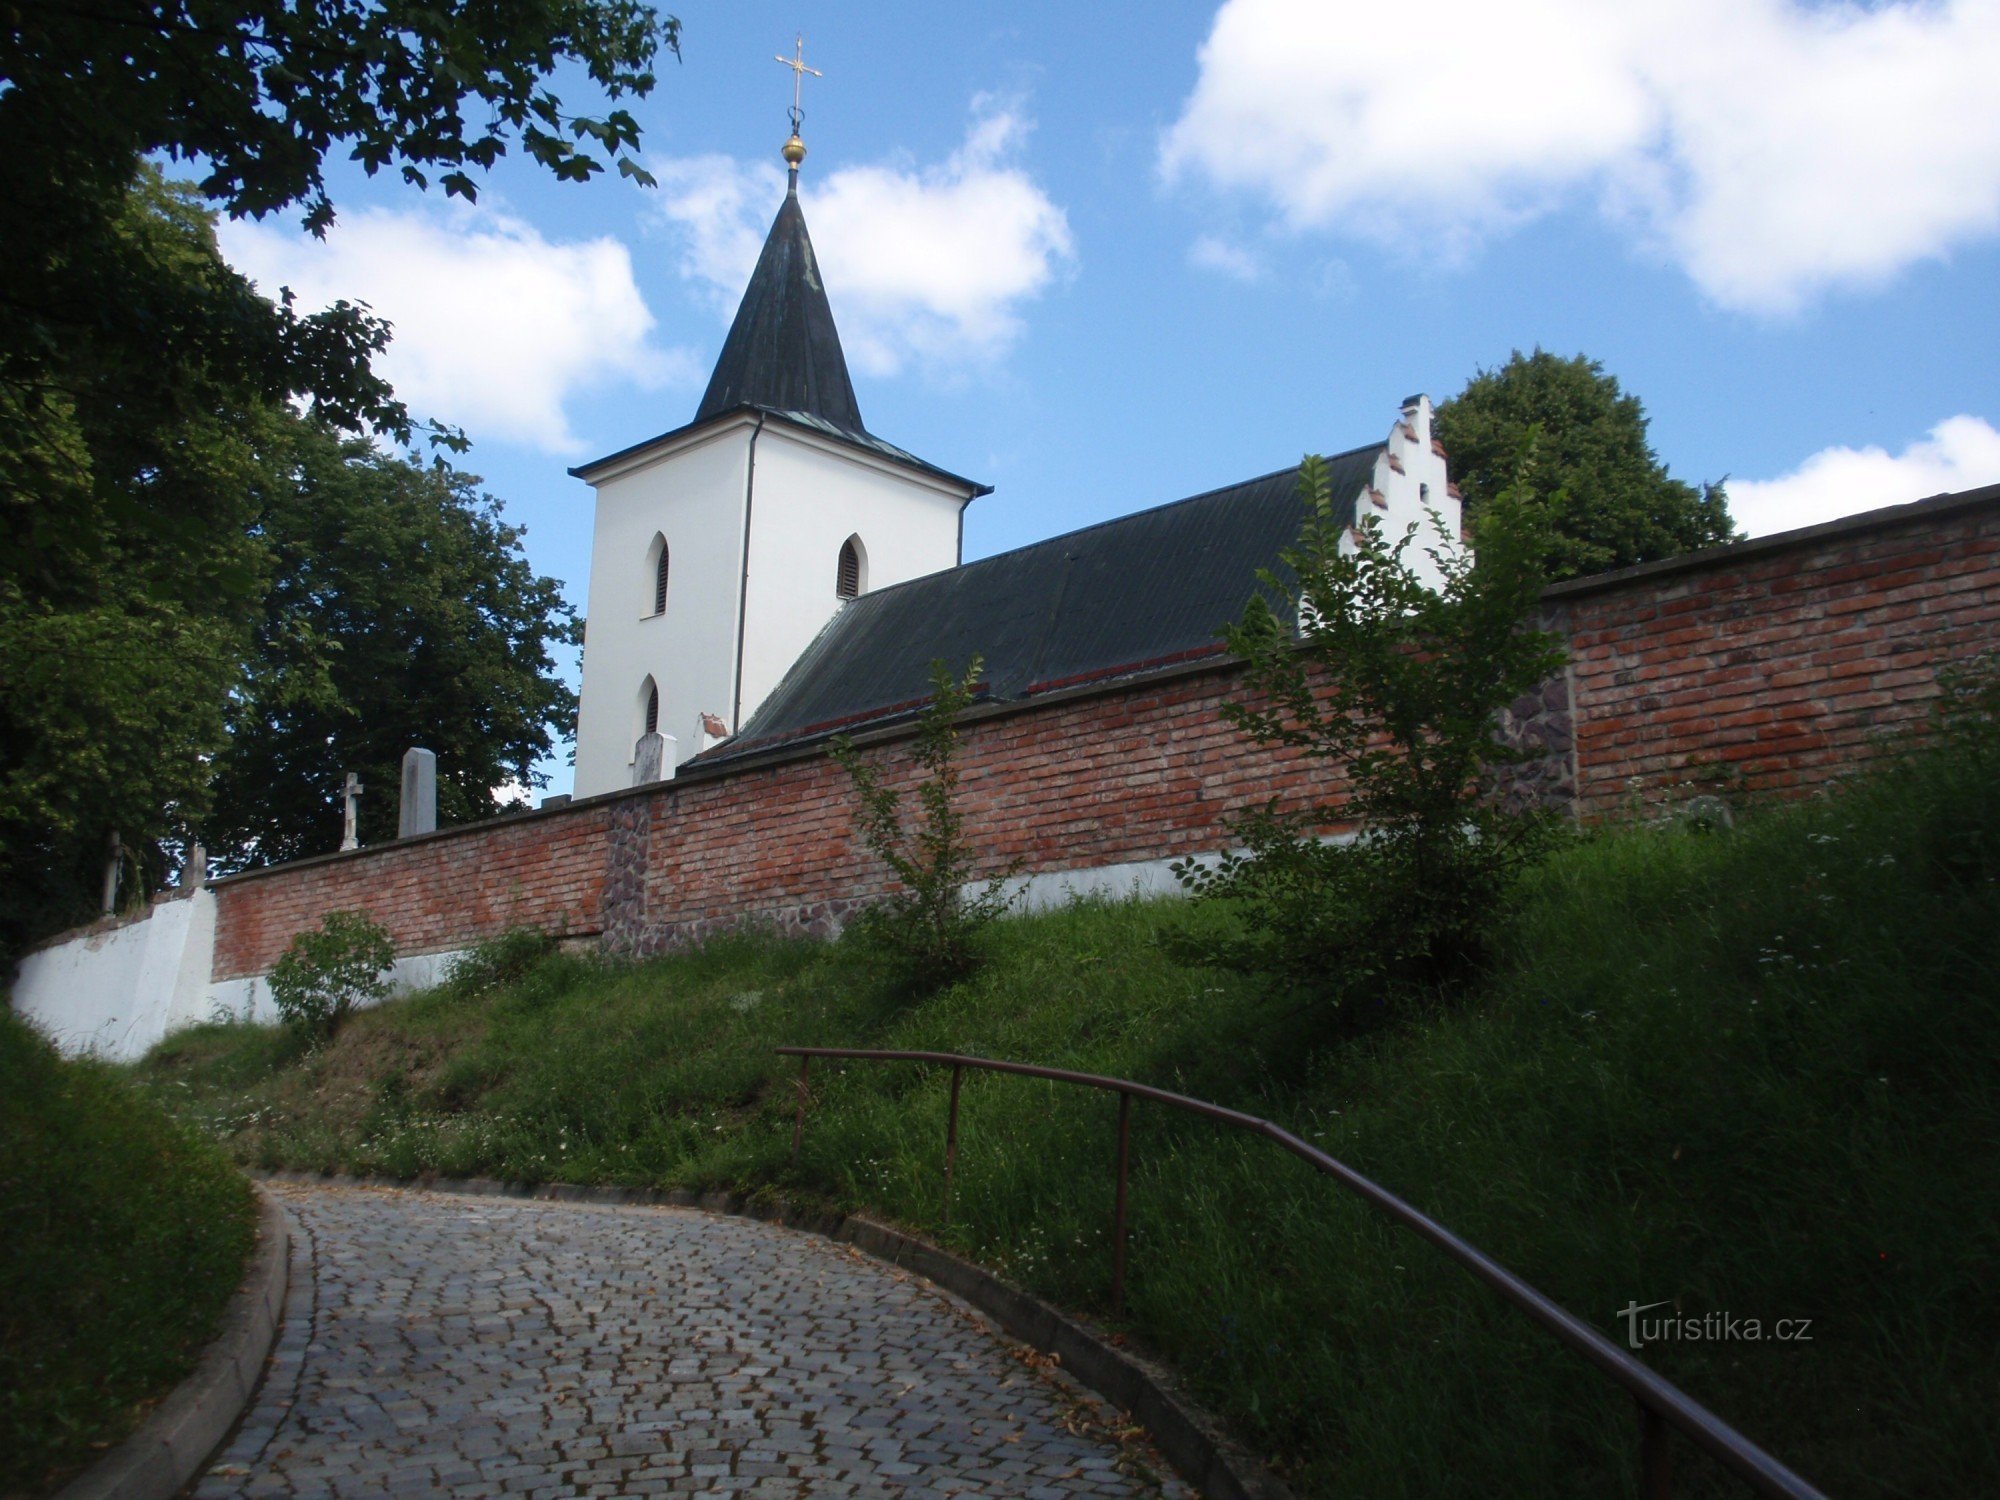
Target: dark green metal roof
{"x": 783, "y": 351}
{"x": 1124, "y": 597}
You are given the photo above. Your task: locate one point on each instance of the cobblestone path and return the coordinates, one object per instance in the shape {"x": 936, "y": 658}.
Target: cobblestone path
{"x": 480, "y": 1346}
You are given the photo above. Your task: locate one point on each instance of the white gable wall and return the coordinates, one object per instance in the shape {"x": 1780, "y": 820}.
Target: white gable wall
{"x": 1411, "y": 488}
{"x": 692, "y": 494}
{"x": 812, "y": 495}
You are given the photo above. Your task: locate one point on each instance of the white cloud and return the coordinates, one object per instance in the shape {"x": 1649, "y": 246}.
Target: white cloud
{"x": 1209, "y": 253}
{"x": 496, "y": 328}
{"x": 1772, "y": 148}
{"x": 1961, "y": 453}
{"x": 926, "y": 263}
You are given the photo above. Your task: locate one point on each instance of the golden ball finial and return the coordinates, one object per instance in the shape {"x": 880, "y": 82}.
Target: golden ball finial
{"x": 795, "y": 150}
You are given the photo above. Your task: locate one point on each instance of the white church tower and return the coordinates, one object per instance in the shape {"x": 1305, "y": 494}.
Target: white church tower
{"x": 722, "y": 548}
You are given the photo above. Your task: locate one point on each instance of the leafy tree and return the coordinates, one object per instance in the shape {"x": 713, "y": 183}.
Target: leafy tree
{"x": 1399, "y": 689}
{"x": 257, "y": 94}
{"x": 401, "y": 612}
{"x": 135, "y": 367}
{"x": 1611, "y": 502}
{"x": 928, "y": 927}
{"x": 259, "y": 91}
{"x": 128, "y": 577}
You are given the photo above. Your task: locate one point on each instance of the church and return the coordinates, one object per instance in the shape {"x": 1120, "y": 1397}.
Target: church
{"x": 773, "y": 573}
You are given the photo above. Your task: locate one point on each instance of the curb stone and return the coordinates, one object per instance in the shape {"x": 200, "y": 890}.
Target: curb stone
{"x": 175, "y": 1442}
{"x": 1189, "y": 1439}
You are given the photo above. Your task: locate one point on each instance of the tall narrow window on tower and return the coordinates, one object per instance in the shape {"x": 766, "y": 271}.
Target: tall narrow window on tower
{"x": 660, "y": 579}
{"x": 653, "y": 709}
{"x": 852, "y": 576}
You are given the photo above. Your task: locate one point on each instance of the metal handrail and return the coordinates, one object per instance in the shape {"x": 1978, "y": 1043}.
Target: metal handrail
{"x": 1661, "y": 1403}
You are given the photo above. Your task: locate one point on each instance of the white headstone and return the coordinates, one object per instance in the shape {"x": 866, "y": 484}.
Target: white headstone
{"x": 420, "y": 794}
{"x": 649, "y": 759}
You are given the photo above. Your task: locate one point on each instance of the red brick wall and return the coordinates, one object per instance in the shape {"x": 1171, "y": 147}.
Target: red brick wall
{"x": 1768, "y": 672}
{"x": 1774, "y": 672}
{"x": 433, "y": 894}
{"x": 1146, "y": 773}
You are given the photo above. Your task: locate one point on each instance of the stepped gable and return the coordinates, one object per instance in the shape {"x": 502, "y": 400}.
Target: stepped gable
{"x": 783, "y": 352}
{"x": 1136, "y": 594}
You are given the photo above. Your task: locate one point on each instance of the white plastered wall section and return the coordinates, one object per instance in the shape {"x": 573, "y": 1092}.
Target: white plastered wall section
{"x": 1411, "y": 488}
{"x": 692, "y": 494}
{"x": 811, "y": 495}
{"x": 250, "y": 999}
{"x": 113, "y": 994}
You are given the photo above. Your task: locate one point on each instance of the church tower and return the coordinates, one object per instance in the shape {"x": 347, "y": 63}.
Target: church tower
{"x": 722, "y": 548}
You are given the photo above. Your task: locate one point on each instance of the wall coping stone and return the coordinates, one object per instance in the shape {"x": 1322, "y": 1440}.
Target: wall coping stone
{"x": 174, "y": 1444}
{"x": 1887, "y": 518}
{"x": 1188, "y": 1438}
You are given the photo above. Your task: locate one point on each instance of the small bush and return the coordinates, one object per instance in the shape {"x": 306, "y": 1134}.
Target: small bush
{"x": 500, "y": 961}
{"x": 927, "y": 929}
{"x": 327, "y": 973}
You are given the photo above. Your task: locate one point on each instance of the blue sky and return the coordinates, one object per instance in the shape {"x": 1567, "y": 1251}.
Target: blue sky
{"x": 1103, "y": 256}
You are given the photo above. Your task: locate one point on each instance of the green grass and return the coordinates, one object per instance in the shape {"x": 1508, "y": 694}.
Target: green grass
{"x": 1753, "y": 1072}
{"x": 122, "y": 1236}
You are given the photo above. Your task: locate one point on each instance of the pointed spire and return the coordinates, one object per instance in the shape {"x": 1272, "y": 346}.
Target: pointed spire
{"x": 783, "y": 350}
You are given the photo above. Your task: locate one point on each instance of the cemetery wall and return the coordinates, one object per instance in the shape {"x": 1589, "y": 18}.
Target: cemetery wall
{"x": 1771, "y": 667}
{"x": 1763, "y": 669}
{"x": 121, "y": 984}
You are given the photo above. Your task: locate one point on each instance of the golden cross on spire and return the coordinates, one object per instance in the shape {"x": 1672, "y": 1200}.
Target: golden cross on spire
{"x": 797, "y": 63}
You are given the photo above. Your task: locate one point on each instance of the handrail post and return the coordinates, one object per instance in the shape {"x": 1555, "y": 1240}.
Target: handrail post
{"x": 1656, "y": 1463}
{"x": 951, "y": 1141}
{"x": 799, "y": 1119}
{"x": 1118, "y": 1205}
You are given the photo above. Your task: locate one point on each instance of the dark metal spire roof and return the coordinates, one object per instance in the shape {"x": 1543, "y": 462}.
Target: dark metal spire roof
{"x": 782, "y": 351}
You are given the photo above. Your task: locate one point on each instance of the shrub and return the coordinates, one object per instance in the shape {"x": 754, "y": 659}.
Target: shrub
{"x": 324, "y": 974}
{"x": 927, "y": 929}
{"x": 1400, "y": 687}
{"x": 125, "y": 1235}
{"x": 500, "y": 961}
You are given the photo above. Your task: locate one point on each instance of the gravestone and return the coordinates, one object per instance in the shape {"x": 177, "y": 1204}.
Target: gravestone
{"x": 652, "y": 759}
{"x": 419, "y": 812}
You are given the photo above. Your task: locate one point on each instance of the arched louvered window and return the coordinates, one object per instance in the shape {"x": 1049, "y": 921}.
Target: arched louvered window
{"x": 852, "y": 576}
{"x": 653, "y": 710}
{"x": 660, "y": 580}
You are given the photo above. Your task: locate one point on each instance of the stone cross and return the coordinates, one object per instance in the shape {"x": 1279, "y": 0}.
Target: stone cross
{"x": 350, "y": 791}
{"x": 419, "y": 812}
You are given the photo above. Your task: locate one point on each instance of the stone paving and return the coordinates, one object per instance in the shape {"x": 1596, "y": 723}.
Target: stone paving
{"x": 481, "y": 1346}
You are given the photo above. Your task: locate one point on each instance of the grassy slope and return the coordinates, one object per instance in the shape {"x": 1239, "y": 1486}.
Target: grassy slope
{"x": 122, "y": 1237}
{"x": 1752, "y": 1072}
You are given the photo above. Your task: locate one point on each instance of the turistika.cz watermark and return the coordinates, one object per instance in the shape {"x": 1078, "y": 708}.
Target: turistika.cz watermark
{"x": 1707, "y": 1328}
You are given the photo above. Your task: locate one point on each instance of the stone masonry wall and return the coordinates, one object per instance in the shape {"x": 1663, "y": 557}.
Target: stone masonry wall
{"x": 1766, "y": 670}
